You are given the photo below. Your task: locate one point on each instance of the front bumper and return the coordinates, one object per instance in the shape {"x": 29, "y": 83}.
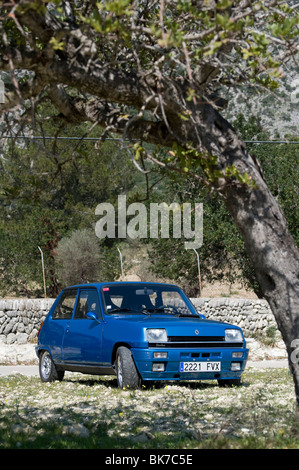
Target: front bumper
{"x": 144, "y": 360}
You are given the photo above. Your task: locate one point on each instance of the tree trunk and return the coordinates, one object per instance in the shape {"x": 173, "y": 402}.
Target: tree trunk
{"x": 274, "y": 255}
{"x": 263, "y": 226}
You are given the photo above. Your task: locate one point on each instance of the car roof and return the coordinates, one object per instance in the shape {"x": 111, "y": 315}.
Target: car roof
{"x": 100, "y": 284}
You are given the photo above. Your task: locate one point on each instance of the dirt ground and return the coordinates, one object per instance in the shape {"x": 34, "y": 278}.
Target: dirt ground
{"x": 220, "y": 289}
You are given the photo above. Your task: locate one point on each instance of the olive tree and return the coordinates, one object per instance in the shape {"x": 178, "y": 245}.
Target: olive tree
{"x": 153, "y": 71}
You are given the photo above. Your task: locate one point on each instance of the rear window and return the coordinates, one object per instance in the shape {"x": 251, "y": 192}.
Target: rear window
{"x": 64, "y": 308}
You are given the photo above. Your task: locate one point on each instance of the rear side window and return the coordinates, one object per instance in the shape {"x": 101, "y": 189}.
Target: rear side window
{"x": 65, "y": 306}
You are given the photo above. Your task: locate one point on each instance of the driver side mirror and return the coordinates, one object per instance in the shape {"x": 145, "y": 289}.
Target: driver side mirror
{"x": 92, "y": 316}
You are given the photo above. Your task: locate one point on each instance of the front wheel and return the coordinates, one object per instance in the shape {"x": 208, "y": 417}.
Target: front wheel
{"x": 47, "y": 369}
{"x": 126, "y": 372}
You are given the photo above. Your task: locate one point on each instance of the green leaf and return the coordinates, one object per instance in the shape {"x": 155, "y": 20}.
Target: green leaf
{"x": 57, "y": 45}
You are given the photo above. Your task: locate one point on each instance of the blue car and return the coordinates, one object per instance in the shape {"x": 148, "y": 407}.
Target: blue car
{"x": 139, "y": 331}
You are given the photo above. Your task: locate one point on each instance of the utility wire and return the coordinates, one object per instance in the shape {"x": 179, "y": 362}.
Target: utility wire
{"x": 39, "y": 137}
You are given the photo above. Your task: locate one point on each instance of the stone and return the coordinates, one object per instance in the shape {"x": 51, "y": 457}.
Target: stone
{"x": 21, "y": 338}
{"x": 77, "y": 429}
{"x": 263, "y": 311}
{"x": 22, "y": 304}
{"x": 8, "y": 304}
{"x": 11, "y": 338}
{"x": 33, "y": 334}
{"x": 29, "y": 304}
{"x": 12, "y": 313}
{"x": 2, "y": 339}
{"x": 8, "y": 328}
{"x": 37, "y": 305}
{"x": 142, "y": 438}
{"x": 21, "y": 428}
{"x": 28, "y": 329}
{"x": 21, "y": 327}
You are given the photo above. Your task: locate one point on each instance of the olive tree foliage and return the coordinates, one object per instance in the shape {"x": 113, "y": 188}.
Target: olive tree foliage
{"x": 78, "y": 258}
{"x": 81, "y": 259}
{"x": 153, "y": 71}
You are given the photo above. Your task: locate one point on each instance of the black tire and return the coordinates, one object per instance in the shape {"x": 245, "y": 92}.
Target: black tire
{"x": 47, "y": 369}
{"x": 126, "y": 372}
{"x": 229, "y": 382}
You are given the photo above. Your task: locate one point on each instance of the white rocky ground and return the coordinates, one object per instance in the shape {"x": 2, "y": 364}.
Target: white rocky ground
{"x": 17, "y": 354}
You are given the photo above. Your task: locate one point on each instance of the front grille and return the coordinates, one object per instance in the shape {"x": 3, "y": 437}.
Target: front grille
{"x": 192, "y": 339}
{"x": 196, "y": 342}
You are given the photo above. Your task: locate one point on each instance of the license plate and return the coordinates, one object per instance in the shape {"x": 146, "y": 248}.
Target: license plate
{"x": 200, "y": 366}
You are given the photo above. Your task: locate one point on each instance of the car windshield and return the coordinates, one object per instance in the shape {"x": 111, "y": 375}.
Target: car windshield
{"x": 147, "y": 300}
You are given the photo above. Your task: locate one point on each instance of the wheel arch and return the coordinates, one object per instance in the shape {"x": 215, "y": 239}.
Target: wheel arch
{"x": 115, "y": 348}
{"x": 40, "y": 350}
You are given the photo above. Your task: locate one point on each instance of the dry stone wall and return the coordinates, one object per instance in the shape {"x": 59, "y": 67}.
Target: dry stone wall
{"x": 20, "y": 319}
{"x": 253, "y": 316}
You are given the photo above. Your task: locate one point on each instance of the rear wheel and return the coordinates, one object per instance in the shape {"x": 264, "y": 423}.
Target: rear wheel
{"x": 126, "y": 372}
{"x": 47, "y": 369}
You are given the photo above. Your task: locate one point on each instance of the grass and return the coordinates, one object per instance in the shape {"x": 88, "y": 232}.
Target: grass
{"x": 87, "y": 412}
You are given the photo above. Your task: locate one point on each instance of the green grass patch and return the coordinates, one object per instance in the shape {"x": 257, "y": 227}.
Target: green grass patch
{"x": 87, "y": 412}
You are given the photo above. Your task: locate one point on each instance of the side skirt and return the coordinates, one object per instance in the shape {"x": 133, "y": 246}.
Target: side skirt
{"x": 86, "y": 369}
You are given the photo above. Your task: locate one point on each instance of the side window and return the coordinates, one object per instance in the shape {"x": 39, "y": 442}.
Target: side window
{"x": 88, "y": 302}
{"x": 65, "y": 307}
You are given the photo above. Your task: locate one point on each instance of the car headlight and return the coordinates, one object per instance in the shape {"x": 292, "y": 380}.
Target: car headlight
{"x": 156, "y": 335}
{"x": 233, "y": 335}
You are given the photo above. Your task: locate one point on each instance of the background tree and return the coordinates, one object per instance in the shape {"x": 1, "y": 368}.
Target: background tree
{"x": 48, "y": 190}
{"x": 151, "y": 70}
{"x": 81, "y": 259}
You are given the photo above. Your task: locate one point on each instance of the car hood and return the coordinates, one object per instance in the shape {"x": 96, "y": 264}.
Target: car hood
{"x": 182, "y": 326}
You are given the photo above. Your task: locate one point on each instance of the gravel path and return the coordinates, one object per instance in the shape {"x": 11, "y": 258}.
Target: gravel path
{"x": 29, "y": 371}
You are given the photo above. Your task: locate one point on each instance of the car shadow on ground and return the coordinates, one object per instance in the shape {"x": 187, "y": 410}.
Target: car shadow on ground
{"x": 111, "y": 382}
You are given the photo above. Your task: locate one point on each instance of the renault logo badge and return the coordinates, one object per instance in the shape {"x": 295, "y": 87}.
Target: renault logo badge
{"x": 196, "y": 332}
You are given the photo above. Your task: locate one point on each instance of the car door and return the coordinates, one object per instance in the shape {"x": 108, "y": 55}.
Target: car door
{"x": 82, "y": 344}
{"x": 59, "y": 323}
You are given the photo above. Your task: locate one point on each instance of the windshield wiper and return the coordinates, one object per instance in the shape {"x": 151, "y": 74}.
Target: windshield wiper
{"x": 174, "y": 312}
{"x": 187, "y": 315}
{"x": 113, "y": 310}
{"x": 131, "y": 310}
{"x": 155, "y": 309}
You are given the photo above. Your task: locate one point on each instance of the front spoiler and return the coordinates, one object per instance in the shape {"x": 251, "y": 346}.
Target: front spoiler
{"x": 144, "y": 361}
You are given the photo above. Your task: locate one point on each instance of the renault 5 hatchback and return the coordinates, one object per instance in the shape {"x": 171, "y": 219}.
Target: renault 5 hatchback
{"x": 140, "y": 332}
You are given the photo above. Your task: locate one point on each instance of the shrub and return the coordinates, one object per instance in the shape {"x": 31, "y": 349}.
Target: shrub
{"x": 78, "y": 258}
